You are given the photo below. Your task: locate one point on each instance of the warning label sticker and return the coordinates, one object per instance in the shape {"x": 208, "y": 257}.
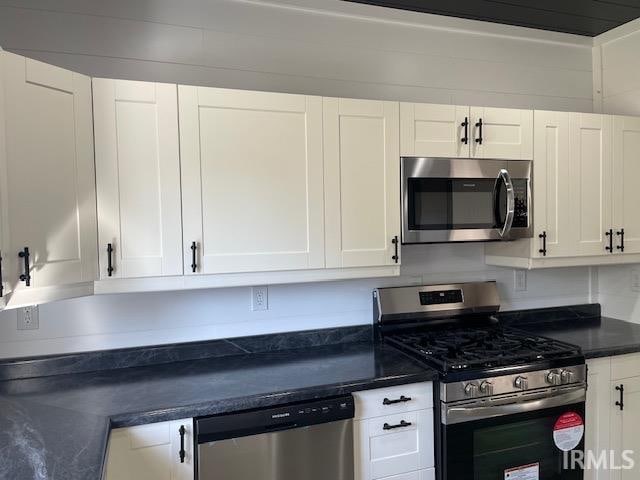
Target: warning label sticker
{"x": 568, "y": 431}
{"x": 525, "y": 472}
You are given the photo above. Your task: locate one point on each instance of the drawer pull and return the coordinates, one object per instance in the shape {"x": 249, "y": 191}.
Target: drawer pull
{"x": 182, "y": 453}
{"x": 402, "y": 424}
{"x": 402, "y": 399}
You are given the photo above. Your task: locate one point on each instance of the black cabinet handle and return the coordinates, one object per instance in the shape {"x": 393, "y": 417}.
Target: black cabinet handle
{"x": 402, "y": 424}
{"x": 109, "y": 260}
{"x": 194, "y": 264}
{"x": 479, "y": 126}
{"x": 1, "y": 284}
{"x": 621, "y": 235}
{"x": 543, "y": 250}
{"x": 26, "y": 276}
{"x": 182, "y": 452}
{"x": 395, "y": 256}
{"x": 620, "y": 403}
{"x": 465, "y": 124}
{"x": 402, "y": 399}
{"x": 610, "y": 235}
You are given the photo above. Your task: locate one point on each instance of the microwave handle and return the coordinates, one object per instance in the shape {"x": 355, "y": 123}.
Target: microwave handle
{"x": 511, "y": 201}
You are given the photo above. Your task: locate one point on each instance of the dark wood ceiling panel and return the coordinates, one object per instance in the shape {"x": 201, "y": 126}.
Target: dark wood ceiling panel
{"x": 581, "y": 17}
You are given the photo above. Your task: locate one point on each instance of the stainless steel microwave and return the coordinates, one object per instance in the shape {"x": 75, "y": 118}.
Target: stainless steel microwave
{"x": 465, "y": 200}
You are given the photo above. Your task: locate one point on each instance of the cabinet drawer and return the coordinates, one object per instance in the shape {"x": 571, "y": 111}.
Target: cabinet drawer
{"x": 385, "y": 448}
{"x": 428, "y": 474}
{"x": 388, "y": 401}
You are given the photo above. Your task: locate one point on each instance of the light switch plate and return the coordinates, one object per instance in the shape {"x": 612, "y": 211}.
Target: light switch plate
{"x": 28, "y": 318}
{"x": 259, "y": 298}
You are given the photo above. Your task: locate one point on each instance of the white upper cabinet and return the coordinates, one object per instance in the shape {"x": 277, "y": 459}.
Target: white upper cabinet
{"x": 434, "y": 130}
{"x": 501, "y": 133}
{"x": 551, "y": 186}
{"x": 137, "y": 178}
{"x": 589, "y": 183}
{"x": 252, "y": 180}
{"x": 50, "y": 174}
{"x": 5, "y": 283}
{"x": 362, "y": 184}
{"x": 626, "y": 190}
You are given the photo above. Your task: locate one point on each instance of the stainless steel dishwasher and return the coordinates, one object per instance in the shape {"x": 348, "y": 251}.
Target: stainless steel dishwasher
{"x": 303, "y": 441}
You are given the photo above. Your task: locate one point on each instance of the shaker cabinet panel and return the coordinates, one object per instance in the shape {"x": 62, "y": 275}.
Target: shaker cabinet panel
{"x": 501, "y": 133}
{"x": 362, "y": 183}
{"x": 7, "y": 279}
{"x": 626, "y": 192}
{"x": 434, "y": 130}
{"x": 138, "y": 178}
{"x": 50, "y": 191}
{"x": 252, "y": 180}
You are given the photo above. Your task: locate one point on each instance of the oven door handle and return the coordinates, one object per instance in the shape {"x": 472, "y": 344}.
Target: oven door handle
{"x": 469, "y": 413}
{"x": 503, "y": 176}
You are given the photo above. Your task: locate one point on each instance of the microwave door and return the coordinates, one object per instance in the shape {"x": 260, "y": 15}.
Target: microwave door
{"x": 504, "y": 203}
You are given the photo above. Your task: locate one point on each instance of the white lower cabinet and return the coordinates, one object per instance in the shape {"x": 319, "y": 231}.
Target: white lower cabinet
{"x": 394, "y": 433}
{"x": 151, "y": 452}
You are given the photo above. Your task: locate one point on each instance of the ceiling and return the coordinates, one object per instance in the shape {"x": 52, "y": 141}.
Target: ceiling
{"x": 580, "y": 17}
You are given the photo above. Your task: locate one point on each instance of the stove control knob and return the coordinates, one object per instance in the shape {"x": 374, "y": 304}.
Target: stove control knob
{"x": 470, "y": 389}
{"x": 521, "y": 382}
{"x": 486, "y": 388}
{"x": 566, "y": 376}
{"x": 554, "y": 378}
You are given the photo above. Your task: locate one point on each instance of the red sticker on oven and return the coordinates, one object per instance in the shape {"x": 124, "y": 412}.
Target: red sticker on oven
{"x": 525, "y": 472}
{"x": 568, "y": 431}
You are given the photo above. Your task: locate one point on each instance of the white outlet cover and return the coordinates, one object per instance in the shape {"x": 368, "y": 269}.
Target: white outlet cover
{"x": 28, "y": 318}
{"x": 259, "y": 298}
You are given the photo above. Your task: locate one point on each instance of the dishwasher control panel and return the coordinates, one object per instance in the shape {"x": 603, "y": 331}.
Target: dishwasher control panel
{"x": 273, "y": 419}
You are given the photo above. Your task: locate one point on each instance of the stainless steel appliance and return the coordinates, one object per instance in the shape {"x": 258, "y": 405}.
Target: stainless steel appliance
{"x": 463, "y": 200}
{"x": 311, "y": 441}
{"x": 510, "y": 404}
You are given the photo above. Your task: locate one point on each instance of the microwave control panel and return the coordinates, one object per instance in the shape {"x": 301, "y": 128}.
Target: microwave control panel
{"x": 521, "y": 217}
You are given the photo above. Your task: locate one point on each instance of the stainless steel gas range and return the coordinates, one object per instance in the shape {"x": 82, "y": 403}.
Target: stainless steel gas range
{"x": 510, "y": 405}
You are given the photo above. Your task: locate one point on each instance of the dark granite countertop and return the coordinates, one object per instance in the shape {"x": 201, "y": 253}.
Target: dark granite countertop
{"x": 597, "y": 337}
{"x": 57, "y": 426}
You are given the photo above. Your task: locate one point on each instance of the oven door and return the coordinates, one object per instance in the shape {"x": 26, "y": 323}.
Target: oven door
{"x": 530, "y": 437}
{"x": 457, "y": 200}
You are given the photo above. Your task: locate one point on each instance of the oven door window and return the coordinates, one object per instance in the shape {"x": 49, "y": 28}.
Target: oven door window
{"x": 455, "y": 203}
{"x": 491, "y": 449}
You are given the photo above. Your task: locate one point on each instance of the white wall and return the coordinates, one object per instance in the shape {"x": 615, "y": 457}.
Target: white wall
{"x": 617, "y": 77}
{"x": 322, "y": 47}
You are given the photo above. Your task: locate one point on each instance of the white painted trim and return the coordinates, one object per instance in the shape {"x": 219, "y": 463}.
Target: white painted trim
{"x": 598, "y": 95}
{"x": 536, "y": 263}
{"x": 193, "y": 282}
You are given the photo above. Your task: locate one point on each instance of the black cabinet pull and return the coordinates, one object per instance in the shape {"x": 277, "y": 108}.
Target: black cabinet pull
{"x": 543, "y": 250}
{"x": 465, "y": 124}
{"x": 620, "y": 403}
{"x": 402, "y": 424}
{"x": 109, "y": 260}
{"x": 402, "y": 399}
{"x": 1, "y": 284}
{"x": 621, "y": 235}
{"x": 395, "y": 256}
{"x": 26, "y": 276}
{"x": 610, "y": 235}
{"x": 479, "y": 126}
{"x": 194, "y": 264}
{"x": 182, "y": 452}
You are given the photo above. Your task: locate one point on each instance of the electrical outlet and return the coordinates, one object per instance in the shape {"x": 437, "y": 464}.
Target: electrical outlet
{"x": 28, "y": 318}
{"x": 520, "y": 280}
{"x": 259, "y": 298}
{"x": 635, "y": 279}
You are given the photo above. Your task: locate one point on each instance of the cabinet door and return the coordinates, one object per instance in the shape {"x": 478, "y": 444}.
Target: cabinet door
{"x": 597, "y": 413}
{"x": 626, "y": 172}
{"x": 362, "y": 182}
{"x": 6, "y": 279}
{"x": 624, "y": 426}
{"x": 589, "y": 182}
{"x": 551, "y": 184}
{"x": 252, "y": 180}
{"x": 434, "y": 130}
{"x": 150, "y": 452}
{"x": 50, "y": 171}
{"x": 501, "y": 133}
{"x": 137, "y": 178}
